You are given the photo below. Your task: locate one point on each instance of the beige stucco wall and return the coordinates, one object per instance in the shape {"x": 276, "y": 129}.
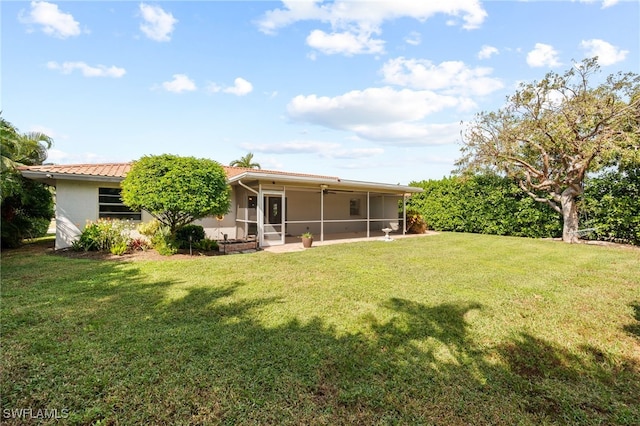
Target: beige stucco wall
{"x": 76, "y": 203}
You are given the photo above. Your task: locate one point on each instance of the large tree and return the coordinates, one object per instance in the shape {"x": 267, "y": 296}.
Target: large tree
{"x": 26, "y": 207}
{"x": 552, "y": 132}
{"x": 177, "y": 190}
{"x": 246, "y": 162}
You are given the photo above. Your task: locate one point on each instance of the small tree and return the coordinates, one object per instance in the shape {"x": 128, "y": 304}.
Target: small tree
{"x": 177, "y": 190}
{"x": 552, "y": 132}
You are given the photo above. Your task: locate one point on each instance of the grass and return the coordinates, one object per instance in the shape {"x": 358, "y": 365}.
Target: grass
{"x": 450, "y": 329}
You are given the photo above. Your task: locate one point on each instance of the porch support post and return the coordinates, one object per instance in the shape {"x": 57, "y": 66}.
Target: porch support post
{"x": 260, "y": 217}
{"x": 404, "y": 214}
{"x": 368, "y": 216}
{"x": 321, "y": 213}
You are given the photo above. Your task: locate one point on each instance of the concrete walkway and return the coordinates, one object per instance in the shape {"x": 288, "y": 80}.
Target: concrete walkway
{"x": 295, "y": 244}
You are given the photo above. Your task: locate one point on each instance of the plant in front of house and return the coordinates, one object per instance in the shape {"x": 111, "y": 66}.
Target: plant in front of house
{"x": 104, "y": 235}
{"x": 189, "y": 235}
{"x": 415, "y": 222}
{"x": 307, "y": 239}
{"x": 177, "y": 190}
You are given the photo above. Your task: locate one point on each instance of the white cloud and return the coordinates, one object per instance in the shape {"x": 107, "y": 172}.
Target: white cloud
{"x": 487, "y": 51}
{"x": 607, "y": 53}
{"x": 353, "y": 22}
{"x": 347, "y": 43}
{"x": 241, "y": 87}
{"x": 180, "y": 83}
{"x": 57, "y": 156}
{"x": 375, "y": 113}
{"x": 451, "y": 77}
{"x": 605, "y": 3}
{"x": 543, "y": 55}
{"x": 87, "y": 70}
{"x": 321, "y": 149}
{"x": 53, "y": 21}
{"x": 414, "y": 38}
{"x": 158, "y": 24}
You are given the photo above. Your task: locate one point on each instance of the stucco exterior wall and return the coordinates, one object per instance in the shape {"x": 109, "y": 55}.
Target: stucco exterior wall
{"x": 76, "y": 203}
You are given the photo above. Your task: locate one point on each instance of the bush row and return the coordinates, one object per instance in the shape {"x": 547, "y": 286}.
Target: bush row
{"x": 115, "y": 236}
{"x": 490, "y": 204}
{"x": 484, "y": 204}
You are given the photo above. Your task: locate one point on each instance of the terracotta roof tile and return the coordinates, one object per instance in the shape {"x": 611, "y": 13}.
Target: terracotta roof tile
{"x": 120, "y": 170}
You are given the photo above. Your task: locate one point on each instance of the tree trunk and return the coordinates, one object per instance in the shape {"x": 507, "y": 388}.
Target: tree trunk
{"x": 570, "y": 214}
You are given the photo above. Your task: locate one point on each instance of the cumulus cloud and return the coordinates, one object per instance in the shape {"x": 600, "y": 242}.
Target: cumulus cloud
{"x": 87, "y": 70}
{"x": 379, "y": 114}
{"x": 354, "y": 23}
{"x": 241, "y": 87}
{"x": 607, "y": 53}
{"x": 543, "y": 55}
{"x": 53, "y": 21}
{"x": 487, "y": 51}
{"x": 318, "y": 148}
{"x": 414, "y": 38}
{"x": 157, "y": 24}
{"x": 451, "y": 77}
{"x": 180, "y": 83}
{"x": 347, "y": 43}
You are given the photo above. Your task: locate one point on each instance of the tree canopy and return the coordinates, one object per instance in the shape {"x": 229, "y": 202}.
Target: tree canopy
{"x": 552, "y": 132}
{"x": 177, "y": 190}
{"x": 246, "y": 162}
{"x": 26, "y": 206}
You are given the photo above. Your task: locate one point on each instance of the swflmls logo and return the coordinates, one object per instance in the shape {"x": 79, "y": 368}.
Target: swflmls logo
{"x": 30, "y": 413}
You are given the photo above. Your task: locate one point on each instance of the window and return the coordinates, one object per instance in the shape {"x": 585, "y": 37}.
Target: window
{"x": 354, "y": 207}
{"x": 110, "y": 205}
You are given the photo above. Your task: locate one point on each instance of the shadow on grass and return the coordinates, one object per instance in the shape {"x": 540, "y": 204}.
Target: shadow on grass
{"x": 110, "y": 346}
{"x": 634, "y": 328}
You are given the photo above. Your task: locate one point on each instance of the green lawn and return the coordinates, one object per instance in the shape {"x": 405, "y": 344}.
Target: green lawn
{"x": 449, "y": 329}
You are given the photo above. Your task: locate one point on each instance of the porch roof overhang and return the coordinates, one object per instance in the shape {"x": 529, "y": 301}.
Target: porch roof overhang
{"x": 324, "y": 182}
{"x": 116, "y": 172}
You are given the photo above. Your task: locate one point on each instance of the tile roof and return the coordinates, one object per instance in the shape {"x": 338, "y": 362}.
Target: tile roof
{"x": 120, "y": 170}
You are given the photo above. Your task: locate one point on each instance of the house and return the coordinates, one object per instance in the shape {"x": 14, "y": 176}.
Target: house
{"x": 267, "y": 205}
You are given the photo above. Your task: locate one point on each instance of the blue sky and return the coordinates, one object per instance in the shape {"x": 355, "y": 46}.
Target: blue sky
{"x": 364, "y": 90}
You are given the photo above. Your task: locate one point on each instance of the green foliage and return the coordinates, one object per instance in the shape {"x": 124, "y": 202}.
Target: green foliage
{"x": 119, "y": 248}
{"x": 552, "y": 132}
{"x": 486, "y": 204}
{"x": 105, "y": 235}
{"x": 611, "y": 205}
{"x": 246, "y": 162}
{"x": 26, "y": 213}
{"x": 27, "y": 206}
{"x": 177, "y": 190}
{"x": 196, "y": 232}
{"x": 149, "y": 229}
{"x": 206, "y": 244}
{"x": 164, "y": 242}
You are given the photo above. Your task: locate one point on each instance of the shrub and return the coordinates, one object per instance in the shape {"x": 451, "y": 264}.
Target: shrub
{"x": 119, "y": 248}
{"x": 163, "y": 242}
{"x": 139, "y": 244}
{"x": 150, "y": 228}
{"x": 103, "y": 234}
{"x": 206, "y": 244}
{"x": 196, "y": 232}
{"x": 26, "y": 211}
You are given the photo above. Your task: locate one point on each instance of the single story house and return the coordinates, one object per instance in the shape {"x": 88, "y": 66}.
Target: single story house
{"x": 267, "y": 205}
